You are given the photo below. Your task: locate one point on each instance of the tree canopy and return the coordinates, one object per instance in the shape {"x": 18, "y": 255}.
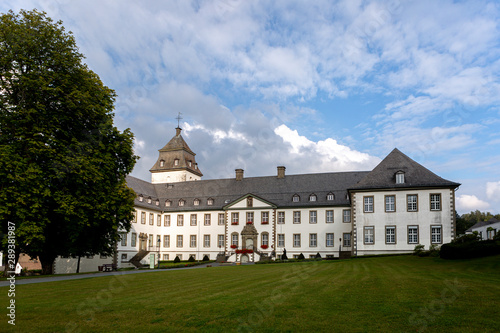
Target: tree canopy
{"x": 62, "y": 162}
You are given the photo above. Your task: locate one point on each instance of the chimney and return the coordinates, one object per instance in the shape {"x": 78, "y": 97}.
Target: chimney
{"x": 239, "y": 174}
{"x": 281, "y": 172}
{"x": 178, "y": 131}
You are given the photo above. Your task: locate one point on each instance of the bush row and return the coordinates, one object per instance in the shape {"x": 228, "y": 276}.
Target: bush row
{"x": 470, "y": 249}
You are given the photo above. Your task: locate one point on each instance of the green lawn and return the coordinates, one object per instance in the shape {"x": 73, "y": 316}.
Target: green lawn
{"x": 390, "y": 294}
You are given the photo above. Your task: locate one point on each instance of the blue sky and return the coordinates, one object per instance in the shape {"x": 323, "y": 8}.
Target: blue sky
{"x": 317, "y": 86}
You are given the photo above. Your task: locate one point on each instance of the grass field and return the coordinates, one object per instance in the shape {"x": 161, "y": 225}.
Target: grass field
{"x": 390, "y": 294}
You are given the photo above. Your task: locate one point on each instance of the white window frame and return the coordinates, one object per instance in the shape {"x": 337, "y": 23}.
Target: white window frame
{"x": 329, "y": 216}
{"x": 436, "y": 234}
{"x": 313, "y": 216}
{"x": 413, "y": 234}
{"x": 368, "y": 204}
{"x": 206, "y": 240}
{"x": 412, "y": 202}
{"x": 207, "y": 219}
{"x": 166, "y": 240}
{"x": 192, "y": 241}
{"x": 346, "y": 216}
{"x": 330, "y": 239}
{"x": 281, "y": 240}
{"x": 180, "y": 241}
{"x": 390, "y": 234}
{"x": 390, "y": 203}
{"x": 369, "y": 235}
{"x": 435, "y": 201}
{"x": 313, "y": 240}
{"x": 166, "y": 220}
{"x": 281, "y": 217}
{"x": 296, "y": 217}
{"x": 347, "y": 239}
{"x": 296, "y": 240}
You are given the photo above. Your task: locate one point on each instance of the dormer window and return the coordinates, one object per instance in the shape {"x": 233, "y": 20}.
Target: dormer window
{"x": 157, "y": 202}
{"x": 196, "y": 202}
{"x": 141, "y": 198}
{"x": 190, "y": 163}
{"x": 181, "y": 203}
{"x": 149, "y": 200}
{"x": 168, "y": 203}
{"x": 296, "y": 198}
{"x": 196, "y": 166}
{"x": 330, "y": 197}
{"x": 162, "y": 163}
{"x": 210, "y": 202}
{"x": 400, "y": 177}
{"x": 176, "y": 161}
{"x": 312, "y": 197}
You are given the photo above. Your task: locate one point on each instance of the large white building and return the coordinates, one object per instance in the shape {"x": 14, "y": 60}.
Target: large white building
{"x": 391, "y": 209}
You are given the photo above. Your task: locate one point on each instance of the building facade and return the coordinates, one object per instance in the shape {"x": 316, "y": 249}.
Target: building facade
{"x": 391, "y": 209}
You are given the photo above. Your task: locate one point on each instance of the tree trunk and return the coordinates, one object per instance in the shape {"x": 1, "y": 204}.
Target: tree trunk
{"x": 78, "y": 265}
{"x": 47, "y": 264}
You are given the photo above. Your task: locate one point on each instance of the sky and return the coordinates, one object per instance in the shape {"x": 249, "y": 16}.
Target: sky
{"x": 316, "y": 86}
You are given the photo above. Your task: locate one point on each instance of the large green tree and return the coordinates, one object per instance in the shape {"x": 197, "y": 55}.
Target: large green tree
{"x": 62, "y": 162}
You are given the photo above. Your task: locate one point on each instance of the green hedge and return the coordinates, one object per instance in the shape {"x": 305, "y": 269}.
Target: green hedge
{"x": 471, "y": 249}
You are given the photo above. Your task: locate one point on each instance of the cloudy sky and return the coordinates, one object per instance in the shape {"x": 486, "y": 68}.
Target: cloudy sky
{"x": 316, "y": 86}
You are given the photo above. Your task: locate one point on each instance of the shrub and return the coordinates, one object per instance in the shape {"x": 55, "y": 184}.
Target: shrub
{"x": 418, "y": 249}
{"x": 301, "y": 257}
{"x": 318, "y": 256}
{"x": 468, "y": 250}
{"x": 191, "y": 259}
{"x": 434, "y": 250}
{"x": 467, "y": 238}
{"x": 206, "y": 258}
{"x": 177, "y": 260}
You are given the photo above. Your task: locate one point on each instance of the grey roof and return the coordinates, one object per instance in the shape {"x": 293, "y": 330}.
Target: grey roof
{"x": 383, "y": 176}
{"x": 278, "y": 191}
{"x": 482, "y": 224}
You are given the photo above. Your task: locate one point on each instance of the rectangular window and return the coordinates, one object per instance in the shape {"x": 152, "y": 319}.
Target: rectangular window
{"x": 265, "y": 218}
{"x": 208, "y": 219}
{"x": 368, "y": 204}
{"x": 296, "y": 240}
{"x": 124, "y": 257}
{"x": 281, "y": 240}
{"x": 249, "y": 217}
{"x": 265, "y": 239}
{"x": 221, "y": 219}
{"x": 165, "y": 257}
{"x": 412, "y": 234}
{"x": 206, "y": 240}
{"x": 166, "y": 222}
{"x": 234, "y": 239}
{"x": 281, "y": 217}
{"x": 369, "y": 235}
{"x": 166, "y": 241}
{"x": 296, "y": 217}
{"x": 192, "y": 241}
{"x": 180, "y": 220}
{"x": 158, "y": 220}
{"x": 390, "y": 203}
{"x": 490, "y": 234}
{"x": 436, "y": 234}
{"x": 412, "y": 202}
{"x": 235, "y": 218}
{"x": 220, "y": 241}
{"x": 346, "y": 216}
{"x": 143, "y": 217}
{"x": 193, "y": 219}
{"x": 330, "y": 239}
{"x": 313, "y": 216}
{"x": 435, "y": 201}
{"x": 150, "y": 241}
{"x": 158, "y": 241}
{"x": 151, "y": 218}
{"x": 133, "y": 240}
{"x": 134, "y": 217}
{"x": 179, "y": 241}
{"x": 347, "y": 239}
{"x": 390, "y": 235}
{"x": 329, "y": 216}
{"x": 124, "y": 239}
{"x": 313, "y": 240}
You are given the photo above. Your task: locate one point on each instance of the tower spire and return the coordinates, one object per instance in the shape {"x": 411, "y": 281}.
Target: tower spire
{"x": 178, "y": 120}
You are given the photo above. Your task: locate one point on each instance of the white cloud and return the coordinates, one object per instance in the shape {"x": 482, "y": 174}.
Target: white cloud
{"x": 467, "y": 203}
{"x": 493, "y": 190}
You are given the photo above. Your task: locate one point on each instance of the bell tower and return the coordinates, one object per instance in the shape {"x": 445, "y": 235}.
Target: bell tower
{"x": 176, "y": 162}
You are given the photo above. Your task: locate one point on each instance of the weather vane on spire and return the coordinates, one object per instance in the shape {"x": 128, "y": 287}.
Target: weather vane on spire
{"x": 178, "y": 119}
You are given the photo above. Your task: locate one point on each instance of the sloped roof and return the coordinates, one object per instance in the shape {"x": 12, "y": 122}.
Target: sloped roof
{"x": 177, "y": 143}
{"x": 383, "y": 176}
{"x": 278, "y": 191}
{"x": 482, "y": 224}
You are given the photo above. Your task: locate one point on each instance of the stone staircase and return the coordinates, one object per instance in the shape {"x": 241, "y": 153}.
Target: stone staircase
{"x": 136, "y": 260}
